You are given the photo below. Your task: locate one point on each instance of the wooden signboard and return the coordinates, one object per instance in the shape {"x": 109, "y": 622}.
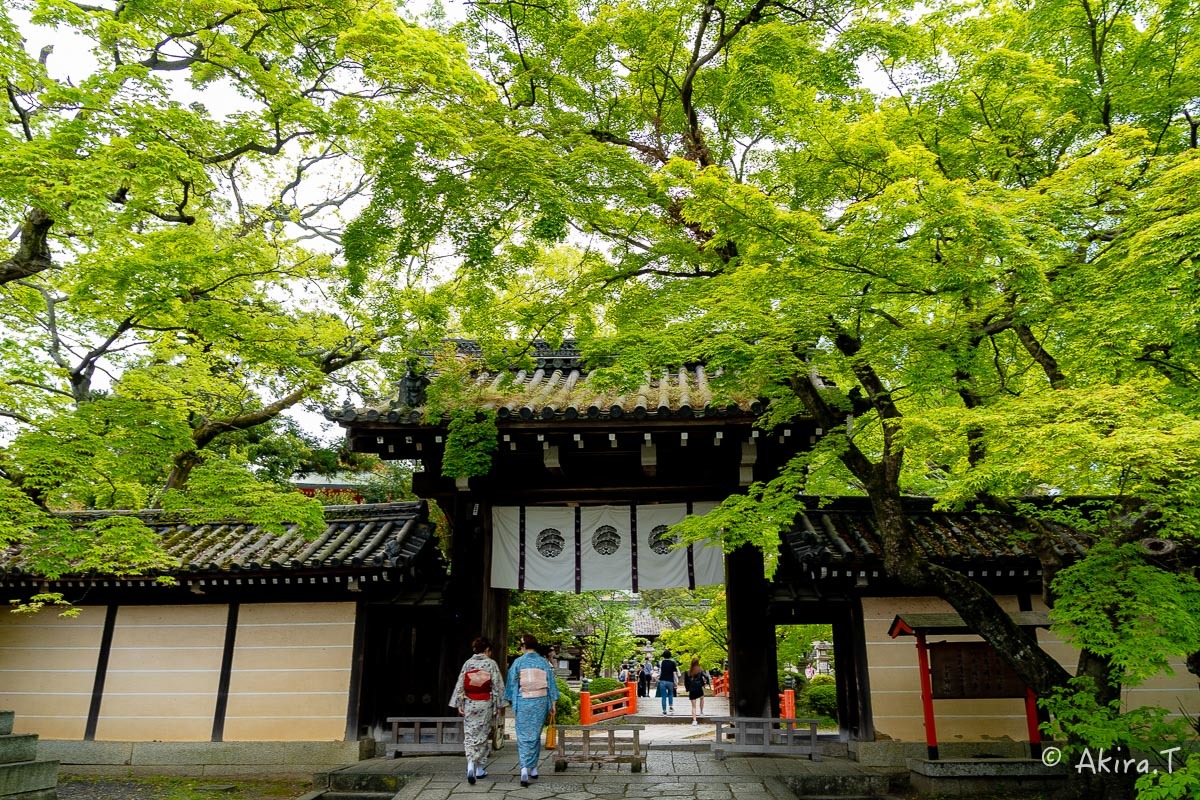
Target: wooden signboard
{"x": 970, "y": 670}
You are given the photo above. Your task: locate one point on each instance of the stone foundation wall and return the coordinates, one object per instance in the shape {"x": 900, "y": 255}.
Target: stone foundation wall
{"x": 203, "y": 758}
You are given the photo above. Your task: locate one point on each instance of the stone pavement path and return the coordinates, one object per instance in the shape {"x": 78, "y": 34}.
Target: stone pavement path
{"x": 585, "y": 786}
{"x": 669, "y": 775}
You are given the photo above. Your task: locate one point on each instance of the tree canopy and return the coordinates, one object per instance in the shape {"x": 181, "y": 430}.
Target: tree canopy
{"x": 957, "y": 236}
{"x": 177, "y": 186}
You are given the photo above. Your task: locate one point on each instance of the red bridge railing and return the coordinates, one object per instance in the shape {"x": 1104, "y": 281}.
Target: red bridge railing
{"x": 607, "y": 705}
{"x": 720, "y": 685}
{"x": 787, "y": 704}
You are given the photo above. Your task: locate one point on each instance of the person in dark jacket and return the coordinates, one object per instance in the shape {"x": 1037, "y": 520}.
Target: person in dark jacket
{"x": 668, "y": 676}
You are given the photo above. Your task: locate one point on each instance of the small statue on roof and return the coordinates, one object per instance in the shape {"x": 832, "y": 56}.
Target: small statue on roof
{"x": 412, "y": 388}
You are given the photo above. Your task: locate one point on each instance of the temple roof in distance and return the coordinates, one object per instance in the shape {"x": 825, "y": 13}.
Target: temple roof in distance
{"x": 361, "y": 537}
{"x": 561, "y": 387}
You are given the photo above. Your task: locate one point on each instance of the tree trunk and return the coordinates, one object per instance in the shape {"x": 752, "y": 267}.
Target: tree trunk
{"x": 33, "y": 249}
{"x": 901, "y": 557}
{"x": 181, "y": 469}
{"x": 983, "y": 614}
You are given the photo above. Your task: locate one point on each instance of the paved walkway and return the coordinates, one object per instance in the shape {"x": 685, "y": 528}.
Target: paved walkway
{"x": 669, "y": 775}
{"x": 679, "y": 766}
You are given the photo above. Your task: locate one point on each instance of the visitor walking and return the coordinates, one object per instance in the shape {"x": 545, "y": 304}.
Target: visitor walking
{"x": 532, "y": 692}
{"x": 644, "y": 678}
{"x": 478, "y": 695}
{"x": 668, "y": 676}
{"x": 694, "y": 680}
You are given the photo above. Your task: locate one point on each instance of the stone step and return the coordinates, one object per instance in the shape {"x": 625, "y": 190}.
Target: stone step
{"x": 37, "y": 794}
{"x": 6, "y": 722}
{"x": 27, "y": 776}
{"x": 382, "y": 777}
{"x": 354, "y": 796}
{"x": 855, "y": 784}
{"x": 16, "y": 747}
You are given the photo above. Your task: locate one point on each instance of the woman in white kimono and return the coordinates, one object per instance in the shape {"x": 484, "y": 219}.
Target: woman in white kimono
{"x": 478, "y": 695}
{"x": 532, "y": 691}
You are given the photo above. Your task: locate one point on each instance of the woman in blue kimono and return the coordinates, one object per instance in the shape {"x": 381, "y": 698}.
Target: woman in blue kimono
{"x": 532, "y": 692}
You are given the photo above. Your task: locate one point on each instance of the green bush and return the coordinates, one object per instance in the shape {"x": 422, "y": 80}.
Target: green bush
{"x": 600, "y": 685}
{"x": 798, "y": 681}
{"x": 566, "y": 709}
{"x": 822, "y": 680}
{"x": 822, "y": 699}
{"x": 1182, "y": 783}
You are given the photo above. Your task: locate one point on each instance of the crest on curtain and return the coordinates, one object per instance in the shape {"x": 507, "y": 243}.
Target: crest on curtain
{"x": 575, "y": 549}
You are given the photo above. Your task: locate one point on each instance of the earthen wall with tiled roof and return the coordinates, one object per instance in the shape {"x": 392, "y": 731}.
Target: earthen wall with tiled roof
{"x": 385, "y": 535}
{"x": 845, "y": 532}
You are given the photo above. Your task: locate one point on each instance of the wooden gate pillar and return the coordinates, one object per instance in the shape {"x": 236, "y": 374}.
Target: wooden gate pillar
{"x": 494, "y": 623}
{"x": 753, "y": 674}
{"x": 462, "y": 605}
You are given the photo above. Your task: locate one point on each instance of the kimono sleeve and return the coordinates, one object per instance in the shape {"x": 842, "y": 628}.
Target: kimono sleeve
{"x": 551, "y": 684}
{"x": 456, "y": 696}
{"x": 498, "y": 685}
{"x": 510, "y": 687}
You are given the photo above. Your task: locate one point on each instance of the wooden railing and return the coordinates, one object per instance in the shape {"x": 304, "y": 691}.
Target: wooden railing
{"x": 766, "y": 736}
{"x": 581, "y": 744}
{"x": 608, "y": 705}
{"x": 434, "y": 735}
{"x": 720, "y": 685}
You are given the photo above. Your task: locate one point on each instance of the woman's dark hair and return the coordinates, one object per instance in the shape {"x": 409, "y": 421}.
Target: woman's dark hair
{"x": 529, "y": 641}
{"x": 666, "y": 653}
{"x": 480, "y": 644}
{"x": 695, "y": 665}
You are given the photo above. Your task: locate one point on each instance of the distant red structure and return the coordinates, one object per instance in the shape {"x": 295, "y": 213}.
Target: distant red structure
{"x": 315, "y": 485}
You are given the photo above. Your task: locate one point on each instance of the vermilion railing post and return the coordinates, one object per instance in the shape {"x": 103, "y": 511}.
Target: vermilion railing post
{"x": 787, "y": 704}
{"x": 631, "y": 687}
{"x": 585, "y": 708}
{"x": 927, "y": 697}
{"x": 1031, "y": 718}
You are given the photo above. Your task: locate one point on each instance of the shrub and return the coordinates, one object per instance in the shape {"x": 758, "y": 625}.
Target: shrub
{"x": 822, "y": 680}
{"x": 566, "y": 708}
{"x": 564, "y": 690}
{"x": 822, "y": 699}
{"x": 600, "y": 685}
{"x": 1180, "y": 784}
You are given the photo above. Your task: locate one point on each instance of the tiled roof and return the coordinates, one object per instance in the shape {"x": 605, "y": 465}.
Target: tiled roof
{"x": 644, "y": 623}
{"x": 561, "y": 387}
{"x": 845, "y": 532}
{"x": 384, "y": 535}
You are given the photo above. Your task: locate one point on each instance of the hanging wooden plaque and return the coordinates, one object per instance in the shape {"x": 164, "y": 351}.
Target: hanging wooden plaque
{"x": 970, "y": 670}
